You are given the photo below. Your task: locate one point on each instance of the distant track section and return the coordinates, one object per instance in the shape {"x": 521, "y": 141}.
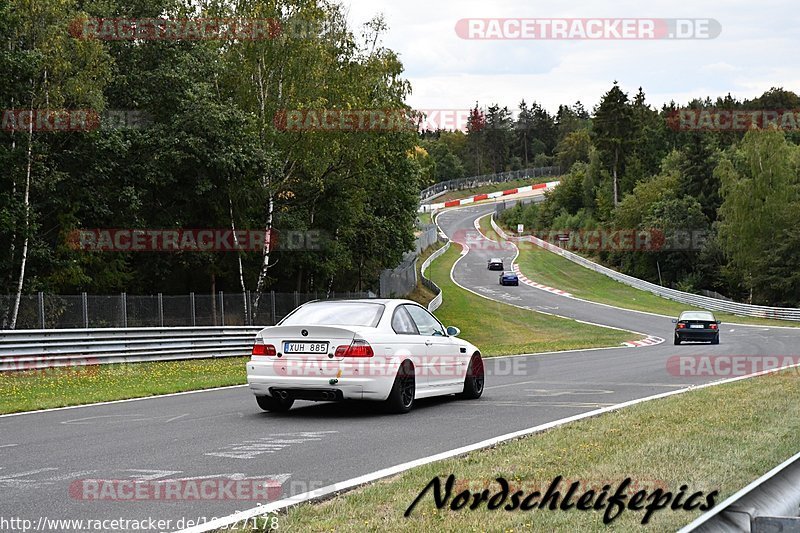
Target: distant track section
{"x": 489, "y": 196}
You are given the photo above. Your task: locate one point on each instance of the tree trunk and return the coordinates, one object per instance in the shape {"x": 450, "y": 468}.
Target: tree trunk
{"x": 214, "y": 297}
{"x": 616, "y": 162}
{"x": 262, "y": 274}
{"x": 238, "y": 257}
{"x": 26, "y": 204}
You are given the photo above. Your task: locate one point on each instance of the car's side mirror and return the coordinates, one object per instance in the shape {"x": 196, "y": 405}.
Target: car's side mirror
{"x": 674, "y": 320}
{"x": 453, "y": 331}
{"x": 719, "y": 322}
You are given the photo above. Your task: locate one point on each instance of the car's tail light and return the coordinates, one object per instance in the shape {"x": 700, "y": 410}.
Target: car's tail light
{"x": 259, "y": 348}
{"x": 357, "y": 348}
{"x": 713, "y": 326}
{"x": 681, "y": 325}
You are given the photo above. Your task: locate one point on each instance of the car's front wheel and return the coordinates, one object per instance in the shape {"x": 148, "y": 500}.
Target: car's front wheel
{"x": 401, "y": 397}
{"x": 473, "y": 383}
{"x": 277, "y": 405}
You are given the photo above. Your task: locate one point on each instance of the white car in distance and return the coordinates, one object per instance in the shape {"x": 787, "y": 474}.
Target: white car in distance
{"x": 386, "y": 350}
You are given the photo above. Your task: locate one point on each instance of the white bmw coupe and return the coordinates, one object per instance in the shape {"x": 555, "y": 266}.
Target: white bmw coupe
{"x": 392, "y": 351}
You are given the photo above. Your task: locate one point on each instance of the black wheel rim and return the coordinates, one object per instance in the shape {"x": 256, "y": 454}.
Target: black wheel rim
{"x": 407, "y": 387}
{"x": 477, "y": 373}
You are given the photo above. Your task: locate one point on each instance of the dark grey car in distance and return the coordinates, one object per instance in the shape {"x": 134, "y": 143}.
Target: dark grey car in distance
{"x": 697, "y": 326}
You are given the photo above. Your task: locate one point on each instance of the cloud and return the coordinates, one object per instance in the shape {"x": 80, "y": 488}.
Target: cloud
{"x": 753, "y": 53}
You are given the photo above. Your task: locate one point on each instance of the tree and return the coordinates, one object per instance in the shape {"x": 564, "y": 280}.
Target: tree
{"x": 476, "y": 140}
{"x": 53, "y": 72}
{"x": 613, "y": 132}
{"x": 760, "y": 198}
{"x": 698, "y": 160}
{"x": 573, "y": 148}
{"x": 498, "y": 135}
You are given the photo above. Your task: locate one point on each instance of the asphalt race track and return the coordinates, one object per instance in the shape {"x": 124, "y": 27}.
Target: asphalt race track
{"x": 223, "y": 433}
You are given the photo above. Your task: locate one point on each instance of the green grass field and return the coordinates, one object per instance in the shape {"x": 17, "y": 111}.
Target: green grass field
{"x": 29, "y": 390}
{"x": 718, "y": 438}
{"x": 550, "y": 269}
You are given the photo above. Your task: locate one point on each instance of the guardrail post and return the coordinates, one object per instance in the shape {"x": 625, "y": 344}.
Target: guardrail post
{"x": 272, "y": 297}
{"x": 85, "y": 306}
{"x": 222, "y": 308}
{"x": 124, "y": 302}
{"x": 191, "y": 305}
{"x": 161, "y": 309}
{"x": 41, "y": 310}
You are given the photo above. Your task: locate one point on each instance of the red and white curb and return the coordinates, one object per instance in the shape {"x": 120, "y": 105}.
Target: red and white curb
{"x": 524, "y": 279}
{"x": 650, "y": 340}
{"x": 492, "y": 195}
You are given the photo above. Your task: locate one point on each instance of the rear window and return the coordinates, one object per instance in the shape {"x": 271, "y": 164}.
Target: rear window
{"x": 698, "y": 316}
{"x": 335, "y": 314}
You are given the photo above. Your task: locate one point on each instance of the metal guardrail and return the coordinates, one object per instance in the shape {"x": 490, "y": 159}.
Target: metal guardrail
{"x": 704, "y": 302}
{"x": 39, "y": 349}
{"x": 767, "y": 505}
{"x": 434, "y": 304}
{"x": 476, "y": 181}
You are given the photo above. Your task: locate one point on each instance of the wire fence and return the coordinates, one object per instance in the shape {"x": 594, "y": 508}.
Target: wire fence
{"x": 476, "y": 181}
{"x": 59, "y": 311}
{"x": 403, "y": 279}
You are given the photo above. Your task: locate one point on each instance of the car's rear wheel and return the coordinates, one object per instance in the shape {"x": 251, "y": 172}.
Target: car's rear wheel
{"x": 401, "y": 397}
{"x": 677, "y": 340}
{"x": 473, "y": 383}
{"x": 277, "y": 405}
{"x": 715, "y": 340}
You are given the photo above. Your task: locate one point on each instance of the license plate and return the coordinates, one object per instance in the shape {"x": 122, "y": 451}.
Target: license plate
{"x": 305, "y": 347}
{"x": 696, "y": 326}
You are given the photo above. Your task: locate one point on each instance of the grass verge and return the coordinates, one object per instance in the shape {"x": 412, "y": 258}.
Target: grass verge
{"x": 500, "y": 329}
{"x": 550, "y": 269}
{"x": 29, "y": 390}
{"x": 718, "y": 438}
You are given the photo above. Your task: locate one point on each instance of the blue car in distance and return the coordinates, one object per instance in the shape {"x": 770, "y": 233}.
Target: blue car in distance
{"x": 509, "y": 278}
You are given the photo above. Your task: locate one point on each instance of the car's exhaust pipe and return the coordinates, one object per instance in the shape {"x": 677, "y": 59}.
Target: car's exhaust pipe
{"x": 283, "y": 394}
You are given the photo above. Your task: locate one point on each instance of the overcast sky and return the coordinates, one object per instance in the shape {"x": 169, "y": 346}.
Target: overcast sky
{"x": 757, "y": 49}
